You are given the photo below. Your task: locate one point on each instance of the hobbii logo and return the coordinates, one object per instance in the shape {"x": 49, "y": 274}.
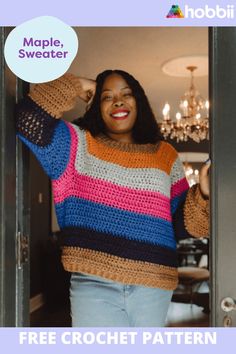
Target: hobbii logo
{"x": 201, "y": 12}
{"x": 210, "y": 12}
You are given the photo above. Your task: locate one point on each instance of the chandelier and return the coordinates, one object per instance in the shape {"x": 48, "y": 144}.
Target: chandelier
{"x": 193, "y": 122}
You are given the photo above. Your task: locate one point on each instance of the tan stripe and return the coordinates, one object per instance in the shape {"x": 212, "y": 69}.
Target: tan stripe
{"x": 118, "y": 269}
{"x": 127, "y": 146}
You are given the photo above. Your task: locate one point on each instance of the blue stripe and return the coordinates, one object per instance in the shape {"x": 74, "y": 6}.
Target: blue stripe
{"x": 55, "y": 156}
{"x": 78, "y": 212}
{"x": 175, "y": 202}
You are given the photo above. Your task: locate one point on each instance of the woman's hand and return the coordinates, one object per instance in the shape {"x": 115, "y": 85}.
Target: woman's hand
{"x": 87, "y": 89}
{"x": 204, "y": 179}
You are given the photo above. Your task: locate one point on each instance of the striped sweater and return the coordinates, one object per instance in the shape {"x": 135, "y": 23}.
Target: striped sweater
{"x": 120, "y": 206}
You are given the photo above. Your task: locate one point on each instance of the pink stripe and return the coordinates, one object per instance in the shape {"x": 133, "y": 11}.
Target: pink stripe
{"x": 99, "y": 191}
{"x": 107, "y": 193}
{"x": 73, "y": 151}
{"x": 179, "y": 187}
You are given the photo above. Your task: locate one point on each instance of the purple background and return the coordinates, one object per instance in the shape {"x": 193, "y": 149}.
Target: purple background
{"x": 108, "y": 13}
{"x": 10, "y": 342}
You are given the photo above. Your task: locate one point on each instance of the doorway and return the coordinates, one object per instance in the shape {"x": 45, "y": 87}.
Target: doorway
{"x": 15, "y": 199}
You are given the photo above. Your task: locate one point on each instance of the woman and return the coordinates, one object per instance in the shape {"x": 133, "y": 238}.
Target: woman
{"x": 120, "y": 195}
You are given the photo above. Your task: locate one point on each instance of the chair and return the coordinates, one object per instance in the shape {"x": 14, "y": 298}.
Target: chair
{"x": 192, "y": 276}
{"x": 191, "y": 279}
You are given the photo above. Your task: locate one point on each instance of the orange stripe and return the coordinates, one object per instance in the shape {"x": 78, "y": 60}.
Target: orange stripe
{"x": 118, "y": 269}
{"x": 162, "y": 159}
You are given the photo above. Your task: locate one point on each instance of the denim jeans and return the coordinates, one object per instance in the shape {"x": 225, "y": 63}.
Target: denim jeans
{"x": 99, "y": 302}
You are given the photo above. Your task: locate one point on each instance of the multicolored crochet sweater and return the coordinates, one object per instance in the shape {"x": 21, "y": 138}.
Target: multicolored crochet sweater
{"x": 120, "y": 206}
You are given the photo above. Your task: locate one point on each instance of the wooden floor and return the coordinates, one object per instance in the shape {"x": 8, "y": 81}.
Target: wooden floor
{"x": 186, "y": 315}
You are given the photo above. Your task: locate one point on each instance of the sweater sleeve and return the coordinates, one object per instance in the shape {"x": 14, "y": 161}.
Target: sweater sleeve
{"x": 196, "y": 213}
{"x": 38, "y": 125}
{"x": 190, "y": 211}
{"x": 179, "y": 185}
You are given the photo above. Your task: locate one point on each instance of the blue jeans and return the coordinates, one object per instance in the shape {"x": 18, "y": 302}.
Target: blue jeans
{"x": 99, "y": 302}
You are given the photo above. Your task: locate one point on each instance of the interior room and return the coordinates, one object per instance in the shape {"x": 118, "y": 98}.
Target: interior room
{"x": 170, "y": 63}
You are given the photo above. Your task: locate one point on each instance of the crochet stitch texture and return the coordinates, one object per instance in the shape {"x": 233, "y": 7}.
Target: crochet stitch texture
{"x": 115, "y": 202}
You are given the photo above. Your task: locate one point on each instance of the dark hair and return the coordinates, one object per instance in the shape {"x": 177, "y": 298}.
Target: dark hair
{"x": 145, "y": 129}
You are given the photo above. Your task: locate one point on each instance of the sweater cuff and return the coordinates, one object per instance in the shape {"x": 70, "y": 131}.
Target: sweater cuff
{"x": 199, "y": 198}
{"x": 196, "y": 213}
{"x": 56, "y": 96}
{"x": 74, "y": 81}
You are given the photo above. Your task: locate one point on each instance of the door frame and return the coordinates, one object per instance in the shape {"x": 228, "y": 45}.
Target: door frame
{"x": 222, "y": 78}
{"x": 14, "y": 203}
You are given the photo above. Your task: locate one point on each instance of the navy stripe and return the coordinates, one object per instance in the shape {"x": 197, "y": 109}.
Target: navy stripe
{"x": 106, "y": 219}
{"x": 175, "y": 202}
{"x": 178, "y": 222}
{"x": 34, "y": 123}
{"x": 117, "y": 246}
{"x": 54, "y": 157}
{"x": 48, "y": 138}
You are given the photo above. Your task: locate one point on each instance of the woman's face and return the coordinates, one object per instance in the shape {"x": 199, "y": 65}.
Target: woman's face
{"x": 118, "y": 108}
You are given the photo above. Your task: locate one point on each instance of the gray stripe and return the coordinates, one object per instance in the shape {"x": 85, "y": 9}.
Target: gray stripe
{"x": 177, "y": 171}
{"x": 149, "y": 179}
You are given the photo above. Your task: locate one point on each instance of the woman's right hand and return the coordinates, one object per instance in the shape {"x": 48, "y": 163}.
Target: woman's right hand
{"x": 87, "y": 89}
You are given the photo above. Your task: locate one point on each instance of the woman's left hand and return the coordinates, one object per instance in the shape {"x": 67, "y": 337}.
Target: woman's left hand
{"x": 204, "y": 179}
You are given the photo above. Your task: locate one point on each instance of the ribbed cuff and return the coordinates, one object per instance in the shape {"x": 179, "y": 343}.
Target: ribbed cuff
{"x": 56, "y": 96}
{"x": 198, "y": 196}
{"x": 74, "y": 81}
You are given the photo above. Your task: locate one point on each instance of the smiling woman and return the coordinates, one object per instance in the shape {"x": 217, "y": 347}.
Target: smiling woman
{"x": 115, "y": 90}
{"x": 121, "y": 197}
{"x": 118, "y": 108}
